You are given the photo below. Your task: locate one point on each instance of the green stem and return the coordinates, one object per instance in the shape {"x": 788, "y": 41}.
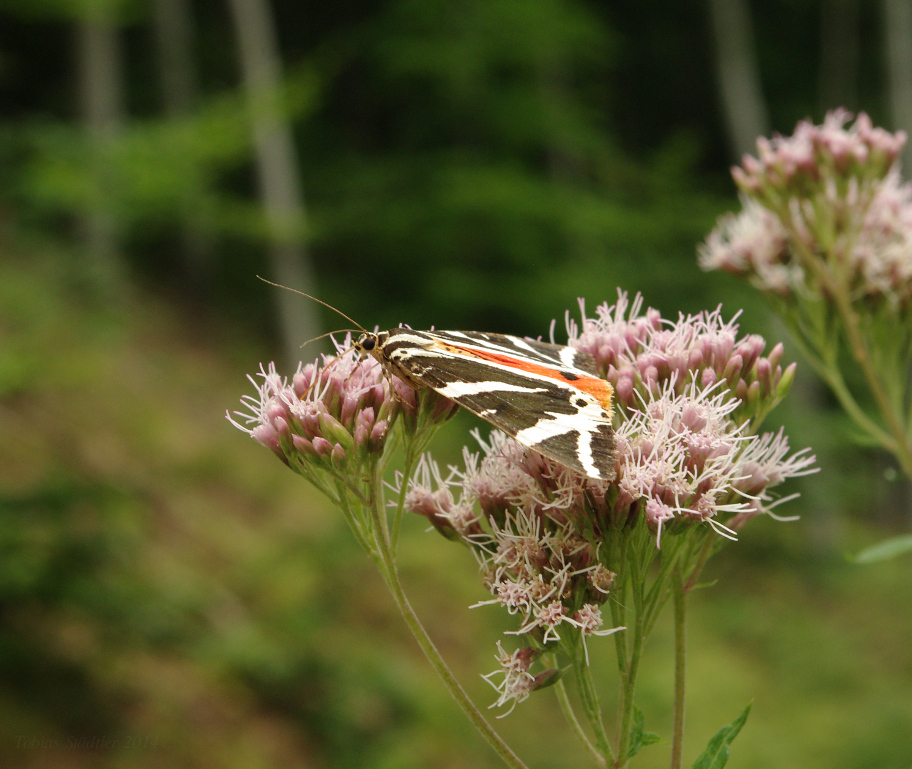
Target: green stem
{"x": 593, "y": 707}
{"x": 567, "y": 709}
{"x": 838, "y": 290}
{"x": 408, "y": 467}
{"x": 850, "y": 319}
{"x": 628, "y": 687}
{"x": 814, "y": 339}
{"x": 679, "y": 593}
{"x": 449, "y": 680}
{"x": 358, "y": 526}
{"x": 702, "y": 557}
{"x": 391, "y": 577}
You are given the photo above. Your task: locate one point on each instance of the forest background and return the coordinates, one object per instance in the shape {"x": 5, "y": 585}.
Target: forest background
{"x": 172, "y": 596}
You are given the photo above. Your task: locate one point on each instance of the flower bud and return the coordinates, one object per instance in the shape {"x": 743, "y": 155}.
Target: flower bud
{"x": 302, "y": 445}
{"x": 763, "y": 373}
{"x": 785, "y": 383}
{"x": 281, "y": 427}
{"x": 365, "y": 418}
{"x": 733, "y": 368}
{"x": 275, "y": 410}
{"x": 602, "y": 580}
{"x": 267, "y": 436}
{"x": 741, "y": 390}
{"x": 332, "y": 430}
{"x": 322, "y": 446}
{"x": 624, "y": 388}
{"x": 361, "y": 435}
{"x": 752, "y": 397}
{"x": 378, "y": 434}
{"x": 350, "y": 403}
{"x": 545, "y": 679}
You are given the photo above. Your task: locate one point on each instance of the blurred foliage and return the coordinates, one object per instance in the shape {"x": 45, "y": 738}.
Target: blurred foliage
{"x": 167, "y": 586}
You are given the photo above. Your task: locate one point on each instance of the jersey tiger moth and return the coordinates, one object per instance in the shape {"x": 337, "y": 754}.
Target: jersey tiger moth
{"x": 546, "y": 396}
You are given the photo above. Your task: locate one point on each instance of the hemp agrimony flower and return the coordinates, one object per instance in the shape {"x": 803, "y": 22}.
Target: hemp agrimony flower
{"x": 568, "y": 556}
{"x": 336, "y": 416}
{"x": 825, "y": 233}
{"x": 554, "y": 546}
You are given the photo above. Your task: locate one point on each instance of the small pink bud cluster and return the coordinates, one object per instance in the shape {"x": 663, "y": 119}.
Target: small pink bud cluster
{"x": 421, "y": 407}
{"x": 823, "y": 211}
{"x": 642, "y": 354}
{"x": 334, "y": 415}
{"x": 431, "y": 497}
{"x": 808, "y": 162}
{"x": 518, "y": 683}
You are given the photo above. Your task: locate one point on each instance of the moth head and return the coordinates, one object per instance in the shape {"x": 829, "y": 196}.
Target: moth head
{"x": 366, "y": 344}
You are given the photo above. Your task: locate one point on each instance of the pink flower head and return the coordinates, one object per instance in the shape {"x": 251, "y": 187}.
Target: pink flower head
{"x": 802, "y": 164}
{"x": 336, "y": 413}
{"x": 518, "y": 683}
{"x": 686, "y": 392}
{"x": 646, "y": 352}
{"x": 824, "y": 212}
{"x": 332, "y": 414}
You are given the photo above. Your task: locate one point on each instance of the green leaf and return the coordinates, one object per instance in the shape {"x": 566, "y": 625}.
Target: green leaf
{"x": 639, "y": 738}
{"x": 716, "y": 754}
{"x": 884, "y": 551}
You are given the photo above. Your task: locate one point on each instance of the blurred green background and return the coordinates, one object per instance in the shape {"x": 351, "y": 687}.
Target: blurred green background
{"x": 170, "y": 595}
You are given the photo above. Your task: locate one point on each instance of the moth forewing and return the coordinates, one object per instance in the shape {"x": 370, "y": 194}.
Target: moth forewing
{"x": 546, "y": 396}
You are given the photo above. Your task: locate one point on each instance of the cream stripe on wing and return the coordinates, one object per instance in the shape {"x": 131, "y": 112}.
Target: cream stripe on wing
{"x": 460, "y": 389}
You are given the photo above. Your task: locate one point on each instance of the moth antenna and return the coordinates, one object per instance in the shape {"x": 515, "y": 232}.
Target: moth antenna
{"x": 318, "y": 301}
{"x": 330, "y": 333}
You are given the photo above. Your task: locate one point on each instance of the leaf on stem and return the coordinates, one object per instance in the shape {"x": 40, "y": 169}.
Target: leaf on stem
{"x": 719, "y": 748}
{"x": 639, "y": 738}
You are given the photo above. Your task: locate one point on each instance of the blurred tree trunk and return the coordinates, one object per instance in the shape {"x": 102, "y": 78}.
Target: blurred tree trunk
{"x": 898, "y": 51}
{"x": 738, "y": 75}
{"x": 101, "y": 96}
{"x": 277, "y": 171}
{"x": 174, "y": 30}
{"x": 838, "y": 77}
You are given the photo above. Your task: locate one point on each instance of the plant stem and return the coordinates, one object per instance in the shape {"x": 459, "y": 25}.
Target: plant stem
{"x": 628, "y": 685}
{"x": 408, "y": 467}
{"x": 838, "y": 290}
{"x": 679, "y": 597}
{"x": 449, "y": 680}
{"x": 903, "y": 452}
{"x": 593, "y": 708}
{"x": 391, "y": 576}
{"x": 567, "y": 709}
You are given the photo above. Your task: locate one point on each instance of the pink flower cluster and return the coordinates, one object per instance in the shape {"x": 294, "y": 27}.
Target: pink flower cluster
{"x": 641, "y": 353}
{"x": 814, "y": 157}
{"x": 517, "y": 683}
{"x": 334, "y": 414}
{"x": 822, "y": 209}
{"x": 540, "y": 532}
{"x": 687, "y": 392}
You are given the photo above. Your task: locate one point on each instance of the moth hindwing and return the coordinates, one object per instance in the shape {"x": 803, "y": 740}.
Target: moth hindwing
{"x": 546, "y": 396}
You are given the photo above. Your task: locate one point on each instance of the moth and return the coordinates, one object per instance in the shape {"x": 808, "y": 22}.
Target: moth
{"x": 548, "y": 397}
